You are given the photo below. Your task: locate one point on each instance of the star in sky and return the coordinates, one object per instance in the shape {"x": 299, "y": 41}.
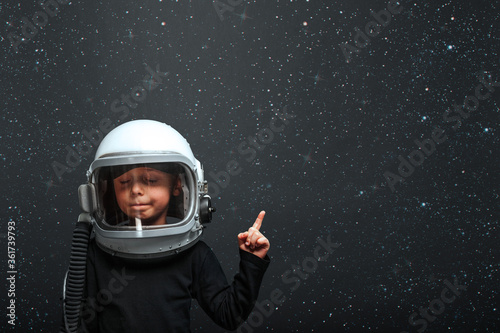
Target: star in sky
{"x": 48, "y": 184}
{"x": 232, "y": 152}
{"x": 375, "y": 187}
{"x": 408, "y": 263}
{"x": 396, "y": 269}
{"x": 130, "y": 35}
{"x": 243, "y": 16}
{"x": 316, "y": 78}
{"x": 307, "y": 158}
{"x": 153, "y": 82}
{"x": 234, "y": 208}
{"x": 259, "y": 110}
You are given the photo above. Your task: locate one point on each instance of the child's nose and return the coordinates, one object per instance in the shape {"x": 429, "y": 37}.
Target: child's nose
{"x": 137, "y": 188}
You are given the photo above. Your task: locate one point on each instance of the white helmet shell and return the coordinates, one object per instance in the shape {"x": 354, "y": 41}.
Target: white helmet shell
{"x": 146, "y": 142}
{"x": 142, "y": 138}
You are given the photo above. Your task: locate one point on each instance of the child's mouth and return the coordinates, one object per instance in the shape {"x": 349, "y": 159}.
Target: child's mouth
{"x": 139, "y": 205}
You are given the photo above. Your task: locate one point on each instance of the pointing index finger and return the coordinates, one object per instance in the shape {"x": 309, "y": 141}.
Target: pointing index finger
{"x": 258, "y": 221}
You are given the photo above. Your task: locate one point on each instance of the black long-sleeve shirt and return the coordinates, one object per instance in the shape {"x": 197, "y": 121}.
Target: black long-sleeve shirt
{"x": 126, "y": 295}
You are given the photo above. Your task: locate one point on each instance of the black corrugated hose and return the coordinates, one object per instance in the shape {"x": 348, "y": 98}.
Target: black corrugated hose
{"x": 75, "y": 279}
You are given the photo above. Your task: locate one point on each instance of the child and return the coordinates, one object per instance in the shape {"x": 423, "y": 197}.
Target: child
{"x": 147, "y": 200}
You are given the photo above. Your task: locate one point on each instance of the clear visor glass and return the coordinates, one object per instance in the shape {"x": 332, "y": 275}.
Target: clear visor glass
{"x": 143, "y": 196}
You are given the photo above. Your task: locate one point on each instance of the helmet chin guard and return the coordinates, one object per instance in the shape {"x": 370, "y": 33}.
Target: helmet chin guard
{"x": 146, "y": 192}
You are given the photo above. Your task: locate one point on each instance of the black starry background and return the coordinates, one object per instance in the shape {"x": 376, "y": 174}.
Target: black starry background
{"x": 227, "y": 68}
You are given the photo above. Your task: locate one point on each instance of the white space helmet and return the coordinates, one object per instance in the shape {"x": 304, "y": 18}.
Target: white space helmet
{"x": 146, "y": 192}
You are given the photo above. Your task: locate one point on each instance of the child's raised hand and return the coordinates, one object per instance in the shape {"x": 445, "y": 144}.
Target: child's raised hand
{"x": 253, "y": 241}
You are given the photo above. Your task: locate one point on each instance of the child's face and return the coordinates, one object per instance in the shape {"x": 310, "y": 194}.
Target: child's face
{"x": 145, "y": 193}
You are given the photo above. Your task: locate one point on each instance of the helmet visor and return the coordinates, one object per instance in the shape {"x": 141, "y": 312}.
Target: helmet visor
{"x": 143, "y": 196}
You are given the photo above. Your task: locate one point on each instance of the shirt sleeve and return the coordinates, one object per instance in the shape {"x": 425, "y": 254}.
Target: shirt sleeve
{"x": 229, "y": 305}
